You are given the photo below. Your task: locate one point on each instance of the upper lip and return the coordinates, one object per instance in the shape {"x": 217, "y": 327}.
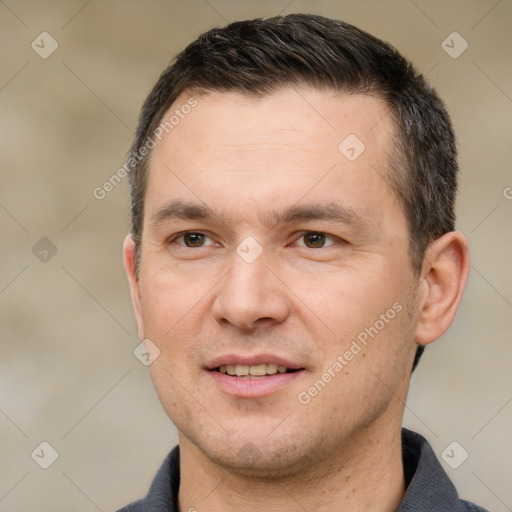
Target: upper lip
{"x": 251, "y": 360}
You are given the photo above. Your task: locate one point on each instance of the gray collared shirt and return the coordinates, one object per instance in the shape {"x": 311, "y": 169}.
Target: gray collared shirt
{"x": 429, "y": 488}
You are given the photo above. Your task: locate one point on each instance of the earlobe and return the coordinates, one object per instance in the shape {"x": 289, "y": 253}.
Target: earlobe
{"x": 133, "y": 281}
{"x": 445, "y": 272}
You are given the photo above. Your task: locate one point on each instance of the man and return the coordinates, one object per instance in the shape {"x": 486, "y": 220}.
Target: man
{"x": 292, "y": 252}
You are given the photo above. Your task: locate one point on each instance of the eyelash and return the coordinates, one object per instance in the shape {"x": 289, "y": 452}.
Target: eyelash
{"x": 331, "y": 237}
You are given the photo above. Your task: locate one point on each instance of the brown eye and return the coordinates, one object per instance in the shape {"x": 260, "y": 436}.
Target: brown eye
{"x": 314, "y": 240}
{"x": 193, "y": 239}
{"x": 317, "y": 240}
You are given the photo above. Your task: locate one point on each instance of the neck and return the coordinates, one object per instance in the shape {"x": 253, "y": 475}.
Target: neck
{"x": 364, "y": 474}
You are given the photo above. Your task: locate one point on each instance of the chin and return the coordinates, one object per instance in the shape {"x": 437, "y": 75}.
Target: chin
{"x": 259, "y": 457}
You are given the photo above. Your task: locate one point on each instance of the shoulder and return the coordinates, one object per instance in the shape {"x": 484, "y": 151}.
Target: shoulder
{"x": 428, "y": 485}
{"x": 467, "y": 506}
{"x": 163, "y": 493}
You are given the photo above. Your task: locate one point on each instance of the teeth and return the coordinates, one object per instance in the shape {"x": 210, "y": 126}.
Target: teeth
{"x": 271, "y": 368}
{"x": 242, "y": 369}
{"x": 259, "y": 370}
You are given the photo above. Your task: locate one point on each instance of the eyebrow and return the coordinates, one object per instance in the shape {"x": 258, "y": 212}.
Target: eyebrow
{"x": 332, "y": 212}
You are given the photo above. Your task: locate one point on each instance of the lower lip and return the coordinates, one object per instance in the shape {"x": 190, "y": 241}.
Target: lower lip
{"x": 258, "y": 387}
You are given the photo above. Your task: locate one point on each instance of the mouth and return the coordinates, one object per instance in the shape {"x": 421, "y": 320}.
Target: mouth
{"x": 253, "y": 376}
{"x": 258, "y": 371}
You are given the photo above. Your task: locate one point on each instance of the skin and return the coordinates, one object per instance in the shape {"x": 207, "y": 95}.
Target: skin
{"x": 303, "y": 298}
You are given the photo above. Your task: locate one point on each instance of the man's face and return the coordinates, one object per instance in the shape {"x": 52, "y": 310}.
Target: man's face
{"x": 304, "y": 261}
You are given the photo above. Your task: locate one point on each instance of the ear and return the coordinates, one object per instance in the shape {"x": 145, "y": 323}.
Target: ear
{"x": 444, "y": 275}
{"x": 133, "y": 281}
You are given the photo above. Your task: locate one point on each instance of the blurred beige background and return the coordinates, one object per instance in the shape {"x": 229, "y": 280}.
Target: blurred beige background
{"x": 68, "y": 375}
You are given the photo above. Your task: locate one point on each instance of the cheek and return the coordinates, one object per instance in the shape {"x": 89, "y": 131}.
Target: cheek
{"x": 368, "y": 315}
{"x": 173, "y": 390}
{"x": 170, "y": 301}
{"x": 351, "y": 299}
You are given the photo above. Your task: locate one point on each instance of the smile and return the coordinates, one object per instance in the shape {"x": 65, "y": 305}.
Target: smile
{"x": 257, "y": 371}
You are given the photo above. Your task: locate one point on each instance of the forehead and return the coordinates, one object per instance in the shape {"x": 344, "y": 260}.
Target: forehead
{"x": 224, "y": 124}
{"x": 260, "y": 152}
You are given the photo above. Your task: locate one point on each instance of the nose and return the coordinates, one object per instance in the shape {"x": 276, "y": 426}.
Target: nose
{"x": 250, "y": 295}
